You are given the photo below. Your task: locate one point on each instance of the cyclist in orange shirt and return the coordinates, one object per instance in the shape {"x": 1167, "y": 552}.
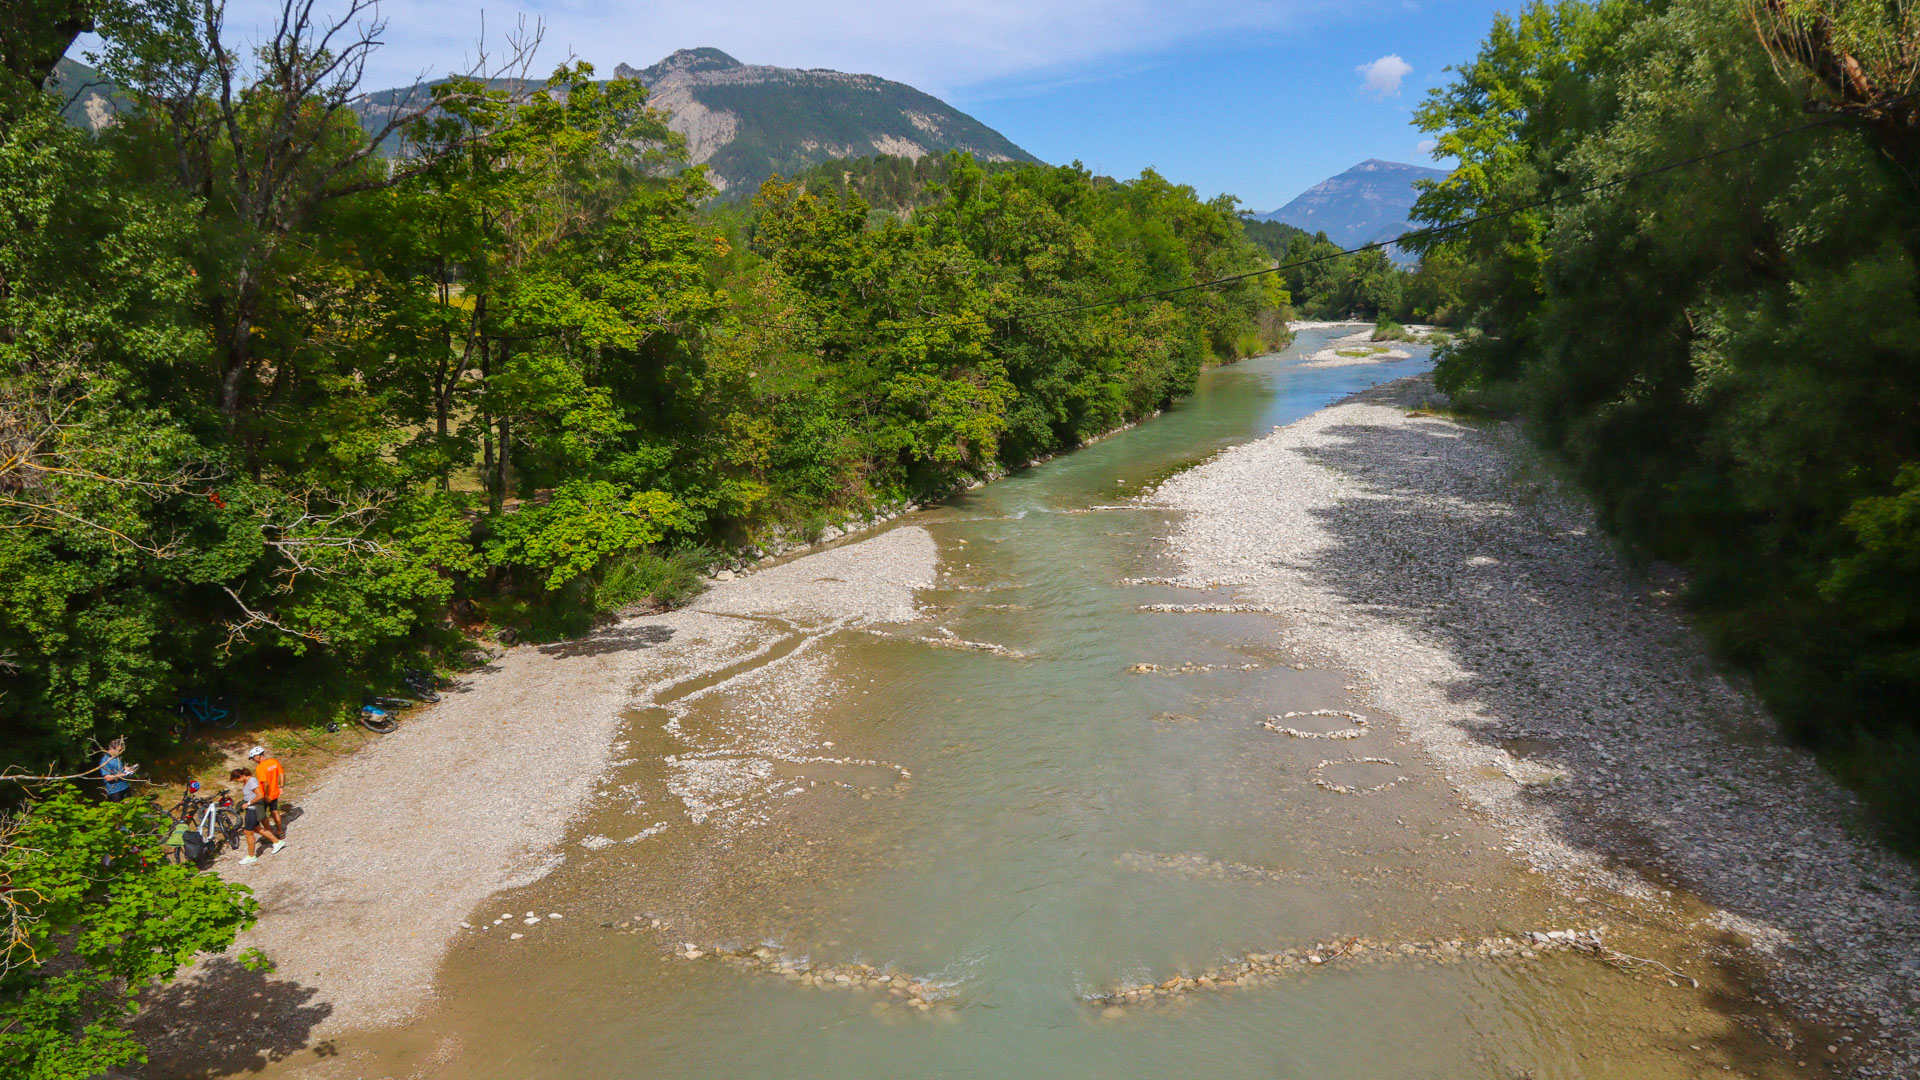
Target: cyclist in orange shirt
{"x": 272, "y": 777}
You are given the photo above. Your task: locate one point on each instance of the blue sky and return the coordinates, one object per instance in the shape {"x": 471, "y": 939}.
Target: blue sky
{"x": 1263, "y": 115}
{"x": 1260, "y": 98}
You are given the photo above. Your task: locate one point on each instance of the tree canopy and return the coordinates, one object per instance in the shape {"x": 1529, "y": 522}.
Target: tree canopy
{"x": 1727, "y": 353}
{"x": 290, "y": 402}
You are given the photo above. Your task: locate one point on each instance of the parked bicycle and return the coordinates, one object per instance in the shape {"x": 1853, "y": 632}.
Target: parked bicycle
{"x": 377, "y": 714}
{"x": 424, "y": 684}
{"x": 203, "y": 711}
{"x": 212, "y": 821}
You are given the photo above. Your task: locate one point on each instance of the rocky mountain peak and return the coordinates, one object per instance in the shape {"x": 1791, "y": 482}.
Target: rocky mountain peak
{"x": 1366, "y": 203}
{"x": 681, "y": 62}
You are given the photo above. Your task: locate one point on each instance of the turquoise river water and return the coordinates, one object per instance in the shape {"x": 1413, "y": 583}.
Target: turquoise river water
{"x": 1067, "y": 827}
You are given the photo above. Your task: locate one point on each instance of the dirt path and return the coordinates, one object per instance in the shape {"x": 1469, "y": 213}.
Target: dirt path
{"x": 394, "y": 847}
{"x": 1562, "y": 696}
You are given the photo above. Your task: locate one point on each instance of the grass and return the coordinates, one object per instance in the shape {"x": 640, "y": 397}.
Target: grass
{"x": 1360, "y": 351}
{"x": 1459, "y": 414}
{"x": 1388, "y": 330}
{"x": 298, "y": 737}
{"x": 650, "y": 578}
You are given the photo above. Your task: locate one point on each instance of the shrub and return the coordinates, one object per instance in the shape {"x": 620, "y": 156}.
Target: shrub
{"x": 98, "y": 915}
{"x": 647, "y": 576}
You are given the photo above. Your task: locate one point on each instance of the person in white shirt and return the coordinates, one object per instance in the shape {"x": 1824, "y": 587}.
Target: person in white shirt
{"x": 251, "y": 797}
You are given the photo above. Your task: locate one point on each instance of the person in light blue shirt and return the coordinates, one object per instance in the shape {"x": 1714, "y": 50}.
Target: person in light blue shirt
{"x": 114, "y": 773}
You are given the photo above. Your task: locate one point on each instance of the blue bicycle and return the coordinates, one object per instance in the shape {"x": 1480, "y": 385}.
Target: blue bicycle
{"x": 204, "y": 711}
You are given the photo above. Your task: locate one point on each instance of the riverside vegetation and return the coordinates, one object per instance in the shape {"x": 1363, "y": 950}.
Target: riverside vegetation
{"x": 280, "y": 412}
{"x": 1726, "y": 355}
{"x": 289, "y": 401}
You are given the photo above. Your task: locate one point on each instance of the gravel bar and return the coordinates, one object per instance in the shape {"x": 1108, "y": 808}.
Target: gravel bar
{"x": 394, "y": 846}
{"x": 1562, "y": 694}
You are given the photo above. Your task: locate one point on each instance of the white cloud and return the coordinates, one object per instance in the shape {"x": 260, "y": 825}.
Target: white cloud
{"x": 937, "y": 45}
{"x": 1427, "y": 145}
{"x": 1382, "y": 77}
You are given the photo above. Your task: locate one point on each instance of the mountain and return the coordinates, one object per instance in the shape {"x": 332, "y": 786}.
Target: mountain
{"x": 87, "y": 99}
{"x": 1366, "y": 203}
{"x": 745, "y": 121}
{"x": 749, "y": 121}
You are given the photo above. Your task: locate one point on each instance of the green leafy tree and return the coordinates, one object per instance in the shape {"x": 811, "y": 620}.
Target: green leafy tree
{"x": 1722, "y": 353}
{"x": 95, "y": 915}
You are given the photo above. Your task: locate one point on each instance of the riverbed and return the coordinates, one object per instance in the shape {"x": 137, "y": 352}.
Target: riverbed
{"x": 1063, "y": 818}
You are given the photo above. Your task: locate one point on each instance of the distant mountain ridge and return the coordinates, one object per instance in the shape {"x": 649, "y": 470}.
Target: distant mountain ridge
{"x": 86, "y": 98}
{"x": 1368, "y": 202}
{"x": 746, "y": 122}
{"x": 749, "y": 121}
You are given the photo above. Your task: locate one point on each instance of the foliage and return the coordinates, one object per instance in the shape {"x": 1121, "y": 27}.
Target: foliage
{"x": 888, "y": 183}
{"x": 585, "y": 522}
{"x": 663, "y": 580}
{"x": 274, "y": 410}
{"x": 1725, "y": 354}
{"x": 97, "y": 915}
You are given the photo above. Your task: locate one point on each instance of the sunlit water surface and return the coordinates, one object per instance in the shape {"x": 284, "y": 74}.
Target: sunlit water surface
{"x": 1067, "y": 827}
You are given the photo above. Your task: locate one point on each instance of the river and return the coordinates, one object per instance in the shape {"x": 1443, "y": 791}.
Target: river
{"x": 1016, "y": 829}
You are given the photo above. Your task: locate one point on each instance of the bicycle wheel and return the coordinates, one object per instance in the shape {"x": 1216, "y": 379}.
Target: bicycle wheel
{"x": 220, "y": 711}
{"x": 228, "y": 824}
{"x": 378, "y": 722}
{"x": 423, "y": 686}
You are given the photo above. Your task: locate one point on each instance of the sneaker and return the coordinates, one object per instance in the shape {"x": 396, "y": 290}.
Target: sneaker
{"x": 249, "y": 859}
{"x": 277, "y": 845}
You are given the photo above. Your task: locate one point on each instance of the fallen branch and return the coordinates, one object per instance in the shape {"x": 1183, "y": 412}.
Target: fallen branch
{"x": 1623, "y": 959}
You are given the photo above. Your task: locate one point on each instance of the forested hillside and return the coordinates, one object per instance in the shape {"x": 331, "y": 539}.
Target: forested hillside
{"x": 1326, "y": 283}
{"x": 889, "y": 183}
{"x": 279, "y": 417}
{"x": 1726, "y": 353}
{"x": 749, "y": 121}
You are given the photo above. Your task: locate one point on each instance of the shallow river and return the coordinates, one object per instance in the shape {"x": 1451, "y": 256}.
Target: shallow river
{"x": 1062, "y": 827}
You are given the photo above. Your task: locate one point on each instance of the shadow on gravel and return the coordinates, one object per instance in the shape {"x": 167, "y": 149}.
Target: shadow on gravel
{"x": 224, "y": 1019}
{"x": 1567, "y": 662}
{"x": 617, "y": 639}
{"x": 1571, "y": 661}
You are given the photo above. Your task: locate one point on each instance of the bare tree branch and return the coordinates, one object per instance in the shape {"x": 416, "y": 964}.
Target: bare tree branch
{"x": 50, "y": 462}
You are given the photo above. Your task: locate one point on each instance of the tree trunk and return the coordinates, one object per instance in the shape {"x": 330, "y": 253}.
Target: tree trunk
{"x": 486, "y": 435}
{"x": 35, "y": 34}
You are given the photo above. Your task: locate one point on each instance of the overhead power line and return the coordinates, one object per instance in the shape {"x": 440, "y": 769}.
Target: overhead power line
{"x": 1416, "y": 234}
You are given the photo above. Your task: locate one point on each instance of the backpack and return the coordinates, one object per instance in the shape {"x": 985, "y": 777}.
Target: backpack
{"x": 194, "y": 845}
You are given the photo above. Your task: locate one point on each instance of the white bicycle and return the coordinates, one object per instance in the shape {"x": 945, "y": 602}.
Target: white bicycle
{"x": 212, "y": 821}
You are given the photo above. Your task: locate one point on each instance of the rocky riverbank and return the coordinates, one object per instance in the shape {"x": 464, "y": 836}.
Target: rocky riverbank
{"x": 395, "y": 846}
{"x": 1561, "y": 694}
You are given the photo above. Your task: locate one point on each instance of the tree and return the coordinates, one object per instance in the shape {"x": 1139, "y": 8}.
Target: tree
{"x": 94, "y": 915}
{"x": 1865, "y": 60}
{"x": 1719, "y": 347}
{"x": 35, "y": 34}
